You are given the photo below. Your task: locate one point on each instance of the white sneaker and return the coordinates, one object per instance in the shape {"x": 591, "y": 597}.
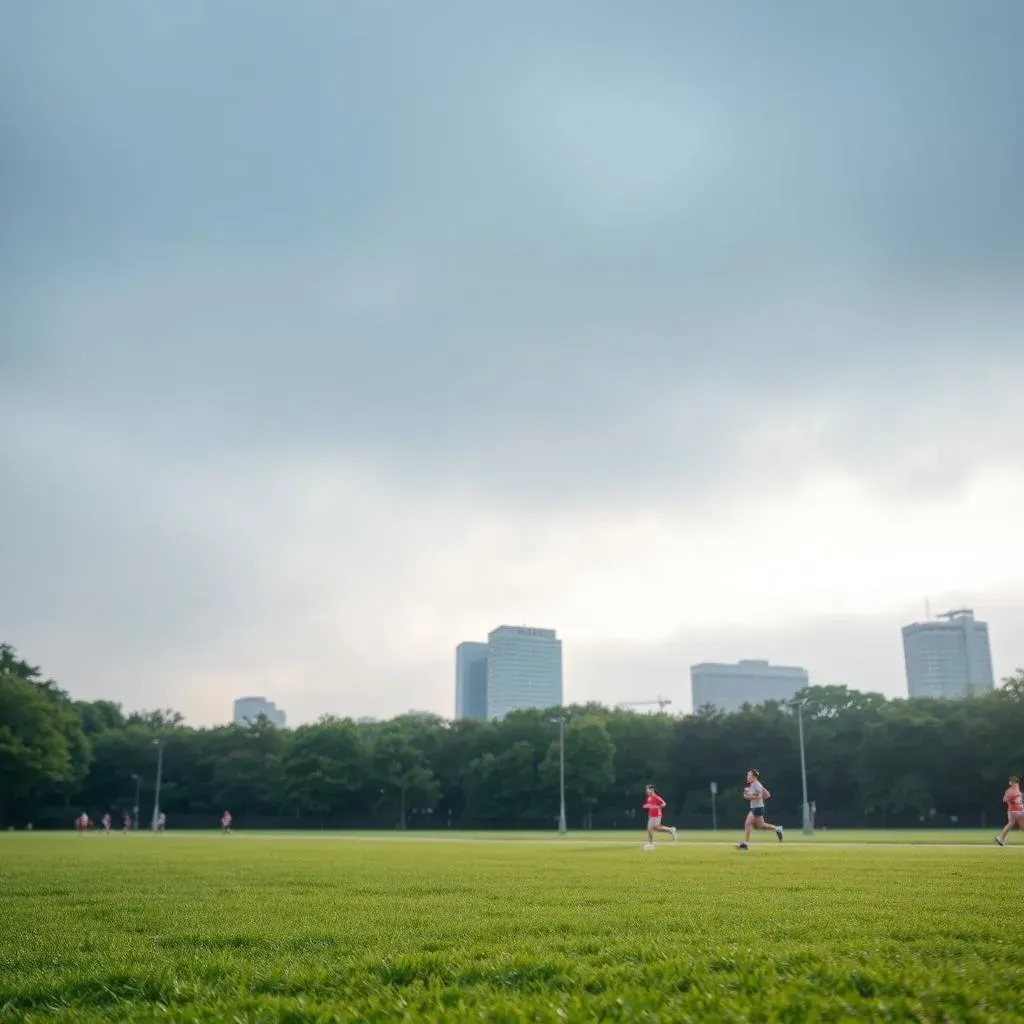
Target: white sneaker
{"x": 1000, "y": 841}
{"x": 648, "y": 846}
{"x": 778, "y": 832}
{"x": 673, "y": 831}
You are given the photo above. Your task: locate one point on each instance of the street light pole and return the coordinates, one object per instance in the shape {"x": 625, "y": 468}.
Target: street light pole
{"x": 159, "y": 777}
{"x": 138, "y": 790}
{"x": 562, "y": 829}
{"x": 808, "y": 828}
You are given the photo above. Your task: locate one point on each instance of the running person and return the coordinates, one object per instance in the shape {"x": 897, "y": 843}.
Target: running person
{"x": 1014, "y": 800}
{"x": 225, "y": 823}
{"x": 655, "y": 805}
{"x": 755, "y": 793}
{"x": 105, "y": 822}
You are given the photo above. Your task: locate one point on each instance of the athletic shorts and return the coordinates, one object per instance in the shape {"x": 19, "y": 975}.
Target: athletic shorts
{"x": 1017, "y": 817}
{"x": 654, "y": 822}
{"x": 757, "y": 812}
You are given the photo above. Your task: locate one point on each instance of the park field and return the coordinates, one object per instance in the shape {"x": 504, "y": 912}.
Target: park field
{"x": 316, "y": 928}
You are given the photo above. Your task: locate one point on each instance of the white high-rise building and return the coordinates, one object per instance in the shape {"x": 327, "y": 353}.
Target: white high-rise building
{"x": 524, "y": 669}
{"x": 729, "y": 687}
{"x": 249, "y": 709}
{"x": 471, "y": 680}
{"x": 948, "y": 657}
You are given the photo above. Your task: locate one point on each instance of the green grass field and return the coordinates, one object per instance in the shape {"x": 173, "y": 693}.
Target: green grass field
{"x": 317, "y": 928}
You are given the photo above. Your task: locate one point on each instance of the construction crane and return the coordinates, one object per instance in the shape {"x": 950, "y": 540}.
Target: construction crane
{"x": 662, "y": 702}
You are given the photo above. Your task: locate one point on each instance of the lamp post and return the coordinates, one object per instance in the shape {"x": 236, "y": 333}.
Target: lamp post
{"x": 560, "y": 721}
{"x": 138, "y": 790}
{"x": 159, "y": 777}
{"x": 808, "y": 829}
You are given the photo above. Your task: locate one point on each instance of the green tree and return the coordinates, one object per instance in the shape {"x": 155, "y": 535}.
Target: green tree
{"x": 590, "y": 765}
{"x": 462, "y": 743}
{"x": 248, "y": 776}
{"x": 326, "y": 767}
{"x": 641, "y": 756}
{"x": 36, "y": 751}
{"x": 503, "y": 787}
{"x": 400, "y": 773}
{"x": 118, "y": 756}
{"x": 1013, "y": 687}
{"x": 161, "y": 718}
{"x": 99, "y": 716}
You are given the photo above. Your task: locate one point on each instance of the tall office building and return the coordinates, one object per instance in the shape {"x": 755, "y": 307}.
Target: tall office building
{"x": 524, "y": 669}
{"x": 729, "y": 687}
{"x": 948, "y": 657}
{"x": 471, "y": 680}
{"x": 248, "y": 709}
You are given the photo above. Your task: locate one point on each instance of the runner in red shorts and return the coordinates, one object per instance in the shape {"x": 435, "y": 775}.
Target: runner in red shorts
{"x": 655, "y": 805}
{"x": 1014, "y": 800}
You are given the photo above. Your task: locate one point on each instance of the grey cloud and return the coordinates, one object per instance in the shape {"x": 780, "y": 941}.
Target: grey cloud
{"x": 436, "y": 235}
{"x": 339, "y": 228}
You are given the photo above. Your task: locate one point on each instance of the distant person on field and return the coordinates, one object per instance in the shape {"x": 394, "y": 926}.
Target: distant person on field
{"x": 225, "y": 823}
{"x": 655, "y": 806}
{"x": 755, "y": 793}
{"x": 82, "y": 822}
{"x": 105, "y": 822}
{"x": 161, "y": 822}
{"x": 126, "y": 823}
{"x": 1014, "y": 800}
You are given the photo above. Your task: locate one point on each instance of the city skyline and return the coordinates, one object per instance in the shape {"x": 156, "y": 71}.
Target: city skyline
{"x": 672, "y": 682}
{"x": 695, "y": 334}
{"x": 470, "y": 655}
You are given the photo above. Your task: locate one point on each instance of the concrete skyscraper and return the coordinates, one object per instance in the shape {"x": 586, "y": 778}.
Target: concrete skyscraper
{"x": 471, "y": 680}
{"x": 948, "y": 657}
{"x": 524, "y": 669}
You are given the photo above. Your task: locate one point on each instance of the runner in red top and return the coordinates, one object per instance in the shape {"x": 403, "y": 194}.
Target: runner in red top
{"x": 655, "y": 805}
{"x": 1014, "y": 800}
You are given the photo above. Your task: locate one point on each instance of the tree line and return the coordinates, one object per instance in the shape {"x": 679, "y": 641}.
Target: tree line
{"x": 870, "y": 762}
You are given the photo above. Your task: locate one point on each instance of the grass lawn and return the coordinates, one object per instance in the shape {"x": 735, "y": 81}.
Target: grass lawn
{"x": 322, "y": 927}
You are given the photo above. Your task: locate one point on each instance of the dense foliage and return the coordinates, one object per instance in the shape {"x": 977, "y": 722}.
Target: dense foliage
{"x": 869, "y": 761}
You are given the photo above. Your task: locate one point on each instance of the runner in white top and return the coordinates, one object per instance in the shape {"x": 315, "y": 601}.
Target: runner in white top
{"x": 755, "y": 793}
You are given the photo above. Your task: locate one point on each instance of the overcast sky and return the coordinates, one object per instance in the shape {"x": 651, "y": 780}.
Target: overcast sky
{"x": 334, "y": 333}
